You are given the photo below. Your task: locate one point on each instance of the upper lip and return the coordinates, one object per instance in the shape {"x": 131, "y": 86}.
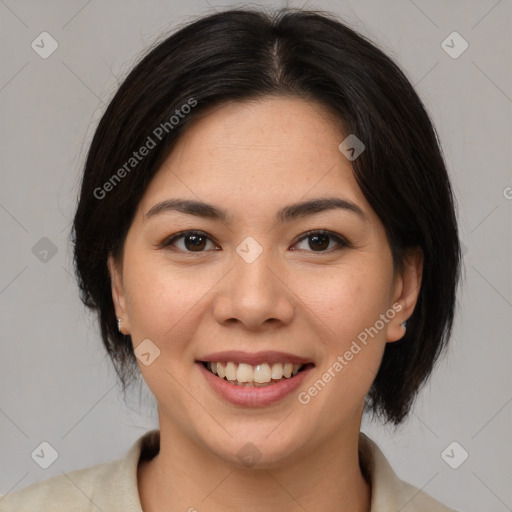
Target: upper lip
{"x": 254, "y": 358}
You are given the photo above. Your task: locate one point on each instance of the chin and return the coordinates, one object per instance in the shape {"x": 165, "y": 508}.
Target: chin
{"x": 257, "y": 444}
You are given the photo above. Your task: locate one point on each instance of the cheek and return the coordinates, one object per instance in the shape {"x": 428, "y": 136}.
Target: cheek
{"x": 347, "y": 298}
{"x": 164, "y": 303}
{"x": 347, "y": 303}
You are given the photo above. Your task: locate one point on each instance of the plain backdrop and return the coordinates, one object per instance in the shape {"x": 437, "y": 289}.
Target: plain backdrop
{"x": 57, "y": 384}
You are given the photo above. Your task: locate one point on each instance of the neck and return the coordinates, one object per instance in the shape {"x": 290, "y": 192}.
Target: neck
{"x": 186, "y": 476}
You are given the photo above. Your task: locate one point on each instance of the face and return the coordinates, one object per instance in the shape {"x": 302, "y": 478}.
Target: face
{"x": 253, "y": 254}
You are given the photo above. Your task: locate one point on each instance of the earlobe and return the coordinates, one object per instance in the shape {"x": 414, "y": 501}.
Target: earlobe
{"x": 407, "y": 289}
{"x": 118, "y": 296}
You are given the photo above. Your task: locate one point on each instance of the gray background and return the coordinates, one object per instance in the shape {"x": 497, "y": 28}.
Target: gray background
{"x": 56, "y": 383}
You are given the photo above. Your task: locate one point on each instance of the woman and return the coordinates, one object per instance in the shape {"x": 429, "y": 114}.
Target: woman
{"x": 266, "y": 230}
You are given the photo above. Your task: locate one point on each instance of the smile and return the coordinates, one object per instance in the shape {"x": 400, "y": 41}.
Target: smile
{"x": 258, "y": 375}
{"x": 253, "y": 379}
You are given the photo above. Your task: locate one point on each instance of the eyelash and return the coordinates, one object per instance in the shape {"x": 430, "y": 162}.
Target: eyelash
{"x": 342, "y": 242}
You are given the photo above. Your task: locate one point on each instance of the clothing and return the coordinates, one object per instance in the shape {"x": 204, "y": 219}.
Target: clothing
{"x": 112, "y": 487}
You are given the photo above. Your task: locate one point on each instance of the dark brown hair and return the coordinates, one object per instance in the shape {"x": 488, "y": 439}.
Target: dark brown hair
{"x": 245, "y": 55}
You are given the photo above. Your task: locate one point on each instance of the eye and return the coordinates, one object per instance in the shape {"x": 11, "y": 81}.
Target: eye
{"x": 191, "y": 241}
{"x": 320, "y": 241}
{"x": 198, "y": 241}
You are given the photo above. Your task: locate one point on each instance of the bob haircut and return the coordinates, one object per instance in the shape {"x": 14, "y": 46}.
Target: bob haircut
{"x": 246, "y": 55}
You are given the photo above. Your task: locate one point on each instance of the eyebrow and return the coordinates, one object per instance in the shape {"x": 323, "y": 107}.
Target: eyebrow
{"x": 288, "y": 213}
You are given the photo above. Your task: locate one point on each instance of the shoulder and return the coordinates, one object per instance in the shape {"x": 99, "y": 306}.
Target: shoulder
{"x": 110, "y": 487}
{"x": 78, "y": 489}
{"x": 389, "y": 493}
{"x": 416, "y": 500}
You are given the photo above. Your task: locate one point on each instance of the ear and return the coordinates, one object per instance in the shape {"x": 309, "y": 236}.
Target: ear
{"x": 406, "y": 290}
{"x": 118, "y": 294}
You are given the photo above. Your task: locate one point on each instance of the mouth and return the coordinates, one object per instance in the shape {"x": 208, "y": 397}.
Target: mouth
{"x": 254, "y": 375}
{"x": 254, "y": 379}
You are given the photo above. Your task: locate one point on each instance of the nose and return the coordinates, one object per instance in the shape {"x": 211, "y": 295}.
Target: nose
{"x": 254, "y": 295}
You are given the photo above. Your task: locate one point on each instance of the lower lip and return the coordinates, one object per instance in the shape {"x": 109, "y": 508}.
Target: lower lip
{"x": 253, "y": 396}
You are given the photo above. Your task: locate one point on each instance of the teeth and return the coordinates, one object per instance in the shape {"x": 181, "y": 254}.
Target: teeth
{"x": 231, "y": 371}
{"x": 277, "y": 371}
{"x": 243, "y": 374}
{"x": 262, "y": 373}
{"x": 221, "y": 371}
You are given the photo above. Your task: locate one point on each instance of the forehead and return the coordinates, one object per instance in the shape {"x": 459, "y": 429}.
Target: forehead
{"x": 259, "y": 153}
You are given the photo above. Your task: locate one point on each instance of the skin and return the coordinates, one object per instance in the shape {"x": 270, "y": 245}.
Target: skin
{"x": 252, "y": 159}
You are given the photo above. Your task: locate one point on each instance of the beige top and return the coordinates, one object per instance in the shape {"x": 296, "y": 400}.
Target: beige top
{"x": 112, "y": 487}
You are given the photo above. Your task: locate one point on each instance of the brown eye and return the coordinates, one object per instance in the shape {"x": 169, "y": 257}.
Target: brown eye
{"x": 318, "y": 242}
{"x": 190, "y": 241}
{"x": 321, "y": 241}
{"x": 195, "y": 242}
